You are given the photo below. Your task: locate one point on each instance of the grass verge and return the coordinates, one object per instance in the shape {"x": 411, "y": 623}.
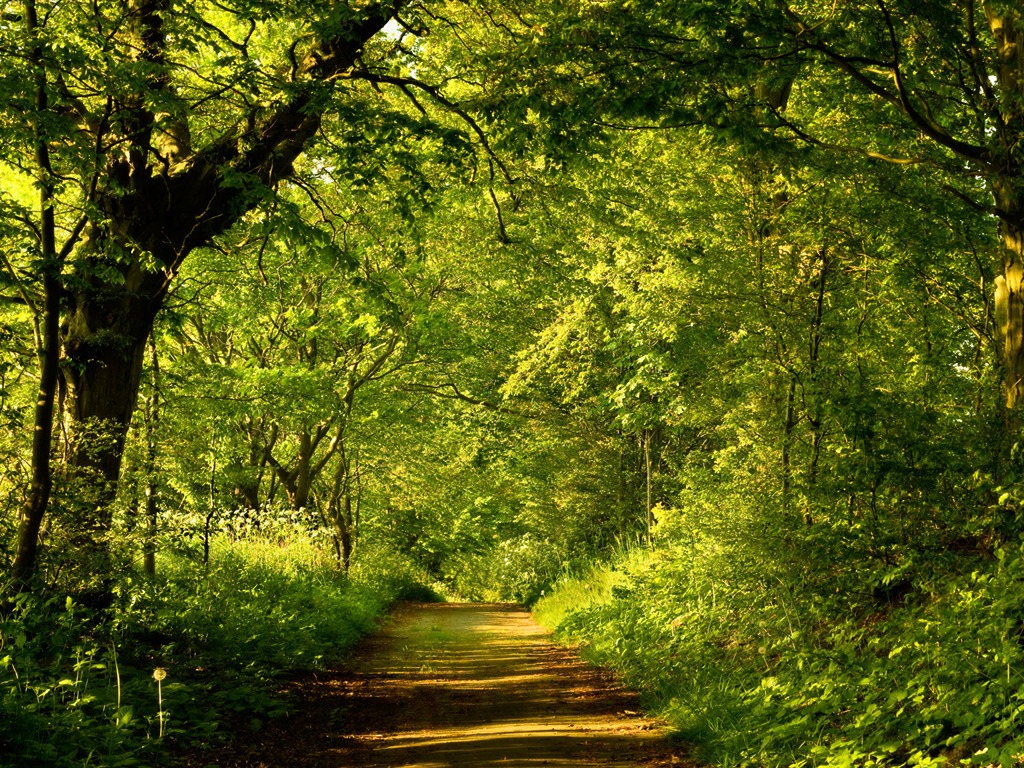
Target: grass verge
{"x": 756, "y": 671}
{"x": 179, "y": 655}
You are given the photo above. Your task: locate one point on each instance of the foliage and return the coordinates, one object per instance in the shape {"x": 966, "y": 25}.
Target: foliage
{"x": 755, "y": 669}
{"x": 488, "y": 297}
{"x": 514, "y": 570}
{"x": 78, "y": 686}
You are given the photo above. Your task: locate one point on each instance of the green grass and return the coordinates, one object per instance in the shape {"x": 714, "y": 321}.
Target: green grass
{"x": 756, "y": 671}
{"x": 78, "y": 689}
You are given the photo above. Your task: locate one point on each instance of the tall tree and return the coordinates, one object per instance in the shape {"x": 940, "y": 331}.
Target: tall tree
{"x": 933, "y": 87}
{"x": 164, "y": 125}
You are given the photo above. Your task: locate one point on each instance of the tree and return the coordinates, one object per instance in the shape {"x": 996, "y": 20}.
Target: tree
{"x": 154, "y": 129}
{"x": 924, "y": 86}
{"x": 814, "y": 363}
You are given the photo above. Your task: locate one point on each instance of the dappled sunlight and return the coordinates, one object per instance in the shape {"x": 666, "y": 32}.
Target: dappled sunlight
{"x": 465, "y": 685}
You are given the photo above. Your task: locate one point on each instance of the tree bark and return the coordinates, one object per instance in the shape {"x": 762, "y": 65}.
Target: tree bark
{"x": 814, "y": 418}
{"x": 648, "y": 501}
{"x": 48, "y": 341}
{"x": 1009, "y": 293}
{"x": 348, "y": 532}
{"x": 250, "y": 471}
{"x": 104, "y": 346}
{"x": 27, "y": 554}
{"x": 151, "y": 521}
{"x": 211, "y": 511}
{"x": 343, "y": 508}
{"x": 1008, "y": 192}
{"x": 338, "y": 514}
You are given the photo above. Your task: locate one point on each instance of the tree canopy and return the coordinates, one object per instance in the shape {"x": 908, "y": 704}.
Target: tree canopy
{"x": 728, "y": 295}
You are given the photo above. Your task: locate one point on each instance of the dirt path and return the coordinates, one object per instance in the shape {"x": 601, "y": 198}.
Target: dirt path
{"x": 459, "y": 685}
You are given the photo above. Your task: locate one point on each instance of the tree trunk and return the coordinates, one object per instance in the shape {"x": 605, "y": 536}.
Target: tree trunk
{"x": 788, "y": 426}
{"x": 348, "y": 532}
{"x": 250, "y": 472}
{"x": 211, "y": 512}
{"x": 343, "y": 509}
{"x": 36, "y": 503}
{"x": 814, "y": 418}
{"x": 152, "y": 421}
{"x": 303, "y": 478}
{"x": 27, "y": 553}
{"x": 1009, "y": 294}
{"x": 648, "y": 501}
{"x": 47, "y": 341}
{"x": 1005, "y": 183}
{"x": 105, "y": 344}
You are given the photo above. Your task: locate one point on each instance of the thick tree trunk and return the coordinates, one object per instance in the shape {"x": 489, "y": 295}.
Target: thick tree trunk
{"x": 105, "y": 345}
{"x": 1007, "y": 158}
{"x": 1009, "y": 296}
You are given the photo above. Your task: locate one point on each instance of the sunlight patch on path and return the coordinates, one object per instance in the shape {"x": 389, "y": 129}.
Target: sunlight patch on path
{"x": 482, "y": 685}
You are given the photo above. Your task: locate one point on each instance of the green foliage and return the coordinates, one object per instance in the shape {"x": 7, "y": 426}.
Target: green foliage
{"x": 78, "y": 688}
{"x": 263, "y": 606}
{"x": 64, "y": 701}
{"x": 477, "y": 340}
{"x": 758, "y": 671}
{"x": 517, "y": 570}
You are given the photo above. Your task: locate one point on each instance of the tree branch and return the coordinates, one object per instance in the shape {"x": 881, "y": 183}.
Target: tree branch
{"x": 435, "y": 93}
{"x": 439, "y": 390}
{"x": 202, "y": 196}
{"x": 900, "y": 99}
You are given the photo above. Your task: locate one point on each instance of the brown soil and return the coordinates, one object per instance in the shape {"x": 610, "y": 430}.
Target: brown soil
{"x": 457, "y": 685}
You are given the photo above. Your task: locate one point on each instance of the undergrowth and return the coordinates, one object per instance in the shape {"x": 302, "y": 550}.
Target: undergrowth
{"x": 180, "y": 654}
{"x": 756, "y": 670}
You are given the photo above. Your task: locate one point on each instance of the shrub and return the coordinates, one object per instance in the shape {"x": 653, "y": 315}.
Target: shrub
{"x": 77, "y": 688}
{"x": 762, "y": 673}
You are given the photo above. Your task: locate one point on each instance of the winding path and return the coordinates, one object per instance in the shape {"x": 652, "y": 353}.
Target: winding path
{"x": 460, "y": 685}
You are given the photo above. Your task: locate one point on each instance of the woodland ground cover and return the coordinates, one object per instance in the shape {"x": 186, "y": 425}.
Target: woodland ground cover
{"x": 756, "y": 669}
{"x": 80, "y": 688}
{"x": 500, "y": 288}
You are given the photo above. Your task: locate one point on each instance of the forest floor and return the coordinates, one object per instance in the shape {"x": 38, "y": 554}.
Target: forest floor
{"x": 456, "y": 685}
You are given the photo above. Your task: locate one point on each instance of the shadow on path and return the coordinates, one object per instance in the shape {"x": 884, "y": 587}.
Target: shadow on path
{"x": 460, "y": 685}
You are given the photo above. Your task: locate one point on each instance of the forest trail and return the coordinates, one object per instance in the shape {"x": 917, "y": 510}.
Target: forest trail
{"x": 459, "y": 685}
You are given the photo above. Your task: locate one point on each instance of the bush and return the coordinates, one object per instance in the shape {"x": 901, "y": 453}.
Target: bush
{"x": 78, "y": 688}
{"x": 766, "y": 674}
{"x": 517, "y": 570}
